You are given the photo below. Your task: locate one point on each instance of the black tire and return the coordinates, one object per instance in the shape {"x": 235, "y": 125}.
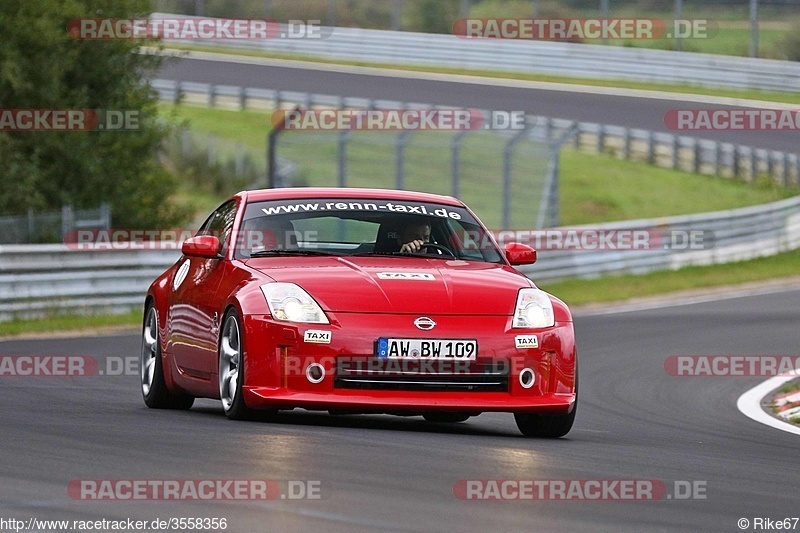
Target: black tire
{"x": 446, "y": 417}
{"x": 547, "y": 426}
{"x": 155, "y": 392}
{"x": 233, "y": 403}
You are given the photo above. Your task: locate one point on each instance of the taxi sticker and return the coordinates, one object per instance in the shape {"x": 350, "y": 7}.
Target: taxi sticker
{"x": 317, "y": 336}
{"x": 527, "y": 341}
{"x": 412, "y": 276}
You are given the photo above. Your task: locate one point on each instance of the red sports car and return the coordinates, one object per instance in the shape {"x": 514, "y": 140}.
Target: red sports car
{"x": 358, "y": 301}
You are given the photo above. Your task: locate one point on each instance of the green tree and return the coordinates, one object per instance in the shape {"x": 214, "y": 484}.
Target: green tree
{"x": 42, "y": 67}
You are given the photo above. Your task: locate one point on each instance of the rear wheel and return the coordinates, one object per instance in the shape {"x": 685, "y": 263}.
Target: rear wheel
{"x": 154, "y": 388}
{"x": 446, "y": 417}
{"x": 231, "y": 369}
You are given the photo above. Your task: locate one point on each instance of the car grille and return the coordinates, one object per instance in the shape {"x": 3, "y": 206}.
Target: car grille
{"x": 413, "y": 375}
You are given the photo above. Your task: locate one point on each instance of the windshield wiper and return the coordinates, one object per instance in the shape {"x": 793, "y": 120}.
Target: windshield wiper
{"x": 400, "y": 254}
{"x": 270, "y": 253}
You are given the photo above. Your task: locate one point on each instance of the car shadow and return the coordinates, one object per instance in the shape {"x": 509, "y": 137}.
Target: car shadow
{"x": 301, "y": 417}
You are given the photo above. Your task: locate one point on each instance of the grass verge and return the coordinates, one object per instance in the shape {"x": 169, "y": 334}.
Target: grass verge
{"x": 69, "y": 323}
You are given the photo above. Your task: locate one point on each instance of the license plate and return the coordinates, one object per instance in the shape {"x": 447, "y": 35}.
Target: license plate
{"x": 463, "y": 349}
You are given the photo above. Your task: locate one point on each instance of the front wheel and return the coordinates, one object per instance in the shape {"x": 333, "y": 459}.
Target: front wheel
{"x": 154, "y": 387}
{"x": 545, "y": 426}
{"x": 548, "y": 426}
{"x": 231, "y": 369}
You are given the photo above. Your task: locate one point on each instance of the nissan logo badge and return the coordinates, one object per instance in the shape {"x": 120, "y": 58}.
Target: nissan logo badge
{"x": 425, "y": 323}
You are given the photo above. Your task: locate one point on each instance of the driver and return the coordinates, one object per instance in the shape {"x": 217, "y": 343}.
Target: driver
{"x": 413, "y": 235}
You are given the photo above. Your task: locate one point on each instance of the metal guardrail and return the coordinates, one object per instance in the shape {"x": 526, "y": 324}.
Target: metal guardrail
{"x": 52, "y": 226}
{"x": 533, "y": 57}
{"x": 727, "y": 236}
{"x": 700, "y": 156}
{"x": 39, "y": 279}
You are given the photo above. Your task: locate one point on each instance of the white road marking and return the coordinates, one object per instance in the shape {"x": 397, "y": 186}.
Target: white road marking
{"x": 749, "y": 404}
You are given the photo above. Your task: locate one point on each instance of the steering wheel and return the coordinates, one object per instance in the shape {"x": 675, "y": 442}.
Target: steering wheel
{"x": 438, "y": 247}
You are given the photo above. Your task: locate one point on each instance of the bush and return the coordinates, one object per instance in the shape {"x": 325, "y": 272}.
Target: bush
{"x": 44, "y": 68}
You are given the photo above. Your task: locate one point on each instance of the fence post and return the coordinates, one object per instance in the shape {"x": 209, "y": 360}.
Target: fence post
{"x": 455, "y": 162}
{"x": 105, "y": 215}
{"x": 601, "y": 139}
{"x": 736, "y": 164}
{"x": 548, "y": 214}
{"x": 508, "y": 153}
{"x": 771, "y": 165}
{"x": 67, "y": 219}
{"x": 242, "y": 98}
{"x": 753, "y": 164}
{"x": 272, "y": 141}
{"x": 341, "y": 158}
{"x": 548, "y": 208}
{"x": 785, "y": 169}
{"x": 697, "y": 156}
{"x": 31, "y": 225}
{"x": 626, "y": 148}
{"x": 400, "y": 160}
{"x": 178, "y": 92}
{"x": 212, "y": 95}
{"x": 676, "y": 149}
{"x": 717, "y": 158}
{"x": 796, "y": 169}
{"x": 651, "y": 147}
{"x": 397, "y": 14}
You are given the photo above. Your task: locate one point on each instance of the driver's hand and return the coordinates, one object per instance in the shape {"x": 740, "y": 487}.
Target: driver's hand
{"x": 412, "y": 247}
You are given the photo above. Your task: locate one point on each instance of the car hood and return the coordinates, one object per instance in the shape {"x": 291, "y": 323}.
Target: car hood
{"x": 400, "y": 285}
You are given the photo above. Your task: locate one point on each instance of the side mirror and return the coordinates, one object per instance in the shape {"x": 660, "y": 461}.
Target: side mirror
{"x": 207, "y": 246}
{"x": 520, "y": 254}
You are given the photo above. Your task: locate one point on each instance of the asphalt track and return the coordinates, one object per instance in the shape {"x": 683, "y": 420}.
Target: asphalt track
{"x": 383, "y": 473}
{"x": 645, "y": 113}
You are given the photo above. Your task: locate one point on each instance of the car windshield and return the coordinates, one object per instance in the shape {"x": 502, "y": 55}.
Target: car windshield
{"x": 362, "y": 227}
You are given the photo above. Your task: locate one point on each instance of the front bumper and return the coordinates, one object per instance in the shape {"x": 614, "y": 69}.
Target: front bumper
{"x": 279, "y": 357}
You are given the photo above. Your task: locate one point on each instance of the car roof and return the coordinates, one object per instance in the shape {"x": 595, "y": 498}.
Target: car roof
{"x": 292, "y": 193}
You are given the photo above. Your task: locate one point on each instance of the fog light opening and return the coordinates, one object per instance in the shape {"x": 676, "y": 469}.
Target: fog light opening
{"x": 527, "y": 378}
{"x": 315, "y": 373}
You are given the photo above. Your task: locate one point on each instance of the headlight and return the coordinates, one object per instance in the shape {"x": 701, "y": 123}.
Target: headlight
{"x": 534, "y": 310}
{"x": 291, "y": 303}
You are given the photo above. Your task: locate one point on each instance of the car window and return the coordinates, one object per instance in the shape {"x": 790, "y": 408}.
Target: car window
{"x": 362, "y": 227}
{"x": 220, "y": 222}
